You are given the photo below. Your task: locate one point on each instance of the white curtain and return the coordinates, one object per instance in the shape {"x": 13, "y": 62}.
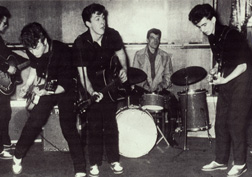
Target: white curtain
{"x": 240, "y": 14}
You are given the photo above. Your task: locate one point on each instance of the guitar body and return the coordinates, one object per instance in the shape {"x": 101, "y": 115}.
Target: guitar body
{"x": 112, "y": 86}
{"x": 111, "y": 75}
{"x": 31, "y": 98}
{"x": 8, "y": 82}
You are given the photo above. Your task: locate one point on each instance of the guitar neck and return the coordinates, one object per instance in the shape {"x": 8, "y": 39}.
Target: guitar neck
{"x": 23, "y": 65}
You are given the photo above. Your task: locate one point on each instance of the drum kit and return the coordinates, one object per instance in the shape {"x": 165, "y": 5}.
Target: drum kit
{"x": 138, "y": 131}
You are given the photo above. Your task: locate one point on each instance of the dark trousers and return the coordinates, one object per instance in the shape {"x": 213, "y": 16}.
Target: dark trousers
{"x": 38, "y": 118}
{"x": 103, "y": 132}
{"x": 5, "y": 116}
{"x": 234, "y": 102}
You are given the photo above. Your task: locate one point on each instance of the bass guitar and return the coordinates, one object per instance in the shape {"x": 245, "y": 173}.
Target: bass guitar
{"x": 8, "y": 82}
{"x": 113, "y": 86}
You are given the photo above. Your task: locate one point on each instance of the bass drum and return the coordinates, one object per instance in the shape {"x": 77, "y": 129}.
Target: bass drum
{"x": 137, "y": 132}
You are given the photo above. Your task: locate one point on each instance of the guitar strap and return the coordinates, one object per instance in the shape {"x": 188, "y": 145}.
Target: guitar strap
{"x": 83, "y": 73}
{"x": 221, "y": 41}
{"x": 49, "y": 61}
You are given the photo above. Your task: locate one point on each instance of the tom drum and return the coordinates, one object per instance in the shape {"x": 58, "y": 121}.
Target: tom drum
{"x": 152, "y": 102}
{"x": 197, "y": 110}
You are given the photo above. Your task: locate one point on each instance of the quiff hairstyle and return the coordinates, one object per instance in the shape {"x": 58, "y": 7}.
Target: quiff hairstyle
{"x": 200, "y": 11}
{"x": 92, "y": 9}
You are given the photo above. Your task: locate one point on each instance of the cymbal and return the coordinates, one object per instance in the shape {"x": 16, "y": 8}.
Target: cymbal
{"x": 136, "y": 75}
{"x": 189, "y": 75}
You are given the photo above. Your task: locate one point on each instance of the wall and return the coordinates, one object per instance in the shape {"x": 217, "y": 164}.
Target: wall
{"x": 132, "y": 18}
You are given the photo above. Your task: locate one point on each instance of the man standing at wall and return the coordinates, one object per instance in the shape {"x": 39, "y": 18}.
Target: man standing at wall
{"x": 51, "y": 67}
{"x": 6, "y": 70}
{"x": 232, "y": 74}
{"x": 94, "y": 52}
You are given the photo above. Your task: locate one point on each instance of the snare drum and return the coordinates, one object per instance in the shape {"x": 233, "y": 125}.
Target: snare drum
{"x": 152, "y": 102}
{"x": 197, "y": 110}
{"x": 137, "y": 132}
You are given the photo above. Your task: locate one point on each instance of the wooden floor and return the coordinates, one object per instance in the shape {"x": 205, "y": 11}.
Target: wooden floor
{"x": 161, "y": 161}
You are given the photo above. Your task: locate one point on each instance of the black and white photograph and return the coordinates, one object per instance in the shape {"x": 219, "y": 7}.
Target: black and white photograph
{"x": 127, "y": 88}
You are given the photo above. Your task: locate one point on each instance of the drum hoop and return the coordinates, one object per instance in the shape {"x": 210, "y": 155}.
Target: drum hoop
{"x": 192, "y": 92}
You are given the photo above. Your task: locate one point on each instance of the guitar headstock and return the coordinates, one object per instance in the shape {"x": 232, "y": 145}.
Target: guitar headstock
{"x": 81, "y": 106}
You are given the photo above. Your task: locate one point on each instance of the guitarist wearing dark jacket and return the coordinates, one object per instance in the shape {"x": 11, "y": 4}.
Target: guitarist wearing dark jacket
{"x": 6, "y": 70}
{"x": 51, "y": 62}
{"x": 232, "y": 74}
{"x": 93, "y": 51}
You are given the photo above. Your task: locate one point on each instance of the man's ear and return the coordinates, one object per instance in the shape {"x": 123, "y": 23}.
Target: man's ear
{"x": 45, "y": 41}
{"x": 213, "y": 20}
{"x": 88, "y": 24}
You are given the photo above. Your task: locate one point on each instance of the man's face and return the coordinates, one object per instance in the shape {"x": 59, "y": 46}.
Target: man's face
{"x": 40, "y": 49}
{"x": 207, "y": 26}
{"x": 97, "y": 24}
{"x": 3, "y": 24}
{"x": 153, "y": 40}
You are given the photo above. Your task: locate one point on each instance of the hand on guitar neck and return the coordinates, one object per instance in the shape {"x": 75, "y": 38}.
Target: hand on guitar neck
{"x": 97, "y": 96}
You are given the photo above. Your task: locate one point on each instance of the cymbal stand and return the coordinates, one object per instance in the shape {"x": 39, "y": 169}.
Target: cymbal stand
{"x": 185, "y": 121}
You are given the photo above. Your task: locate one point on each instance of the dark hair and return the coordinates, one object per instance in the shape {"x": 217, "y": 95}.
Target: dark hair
{"x": 200, "y": 11}
{"x": 4, "y": 12}
{"x": 31, "y": 33}
{"x": 155, "y": 31}
{"x": 92, "y": 9}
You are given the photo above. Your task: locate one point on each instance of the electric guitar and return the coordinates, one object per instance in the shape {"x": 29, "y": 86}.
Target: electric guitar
{"x": 218, "y": 54}
{"x": 219, "y": 70}
{"x": 113, "y": 86}
{"x": 8, "y": 82}
{"x": 32, "y": 98}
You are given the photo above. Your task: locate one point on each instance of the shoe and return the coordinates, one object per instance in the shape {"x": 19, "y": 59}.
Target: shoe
{"x": 17, "y": 166}
{"x": 214, "y": 166}
{"x": 116, "y": 168}
{"x": 9, "y": 146}
{"x": 94, "y": 171}
{"x": 237, "y": 170}
{"x": 5, "y": 155}
{"x": 80, "y": 174}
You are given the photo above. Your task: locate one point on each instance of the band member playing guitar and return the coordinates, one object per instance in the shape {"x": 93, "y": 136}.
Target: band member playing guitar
{"x": 52, "y": 61}
{"x": 93, "y": 50}
{"x": 234, "y": 95}
{"x": 8, "y": 71}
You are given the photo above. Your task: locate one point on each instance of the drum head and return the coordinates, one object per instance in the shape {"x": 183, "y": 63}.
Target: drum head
{"x": 152, "y": 102}
{"x": 137, "y": 132}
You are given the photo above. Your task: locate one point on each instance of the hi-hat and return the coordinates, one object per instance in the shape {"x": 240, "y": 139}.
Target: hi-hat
{"x": 189, "y": 75}
{"x": 136, "y": 75}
